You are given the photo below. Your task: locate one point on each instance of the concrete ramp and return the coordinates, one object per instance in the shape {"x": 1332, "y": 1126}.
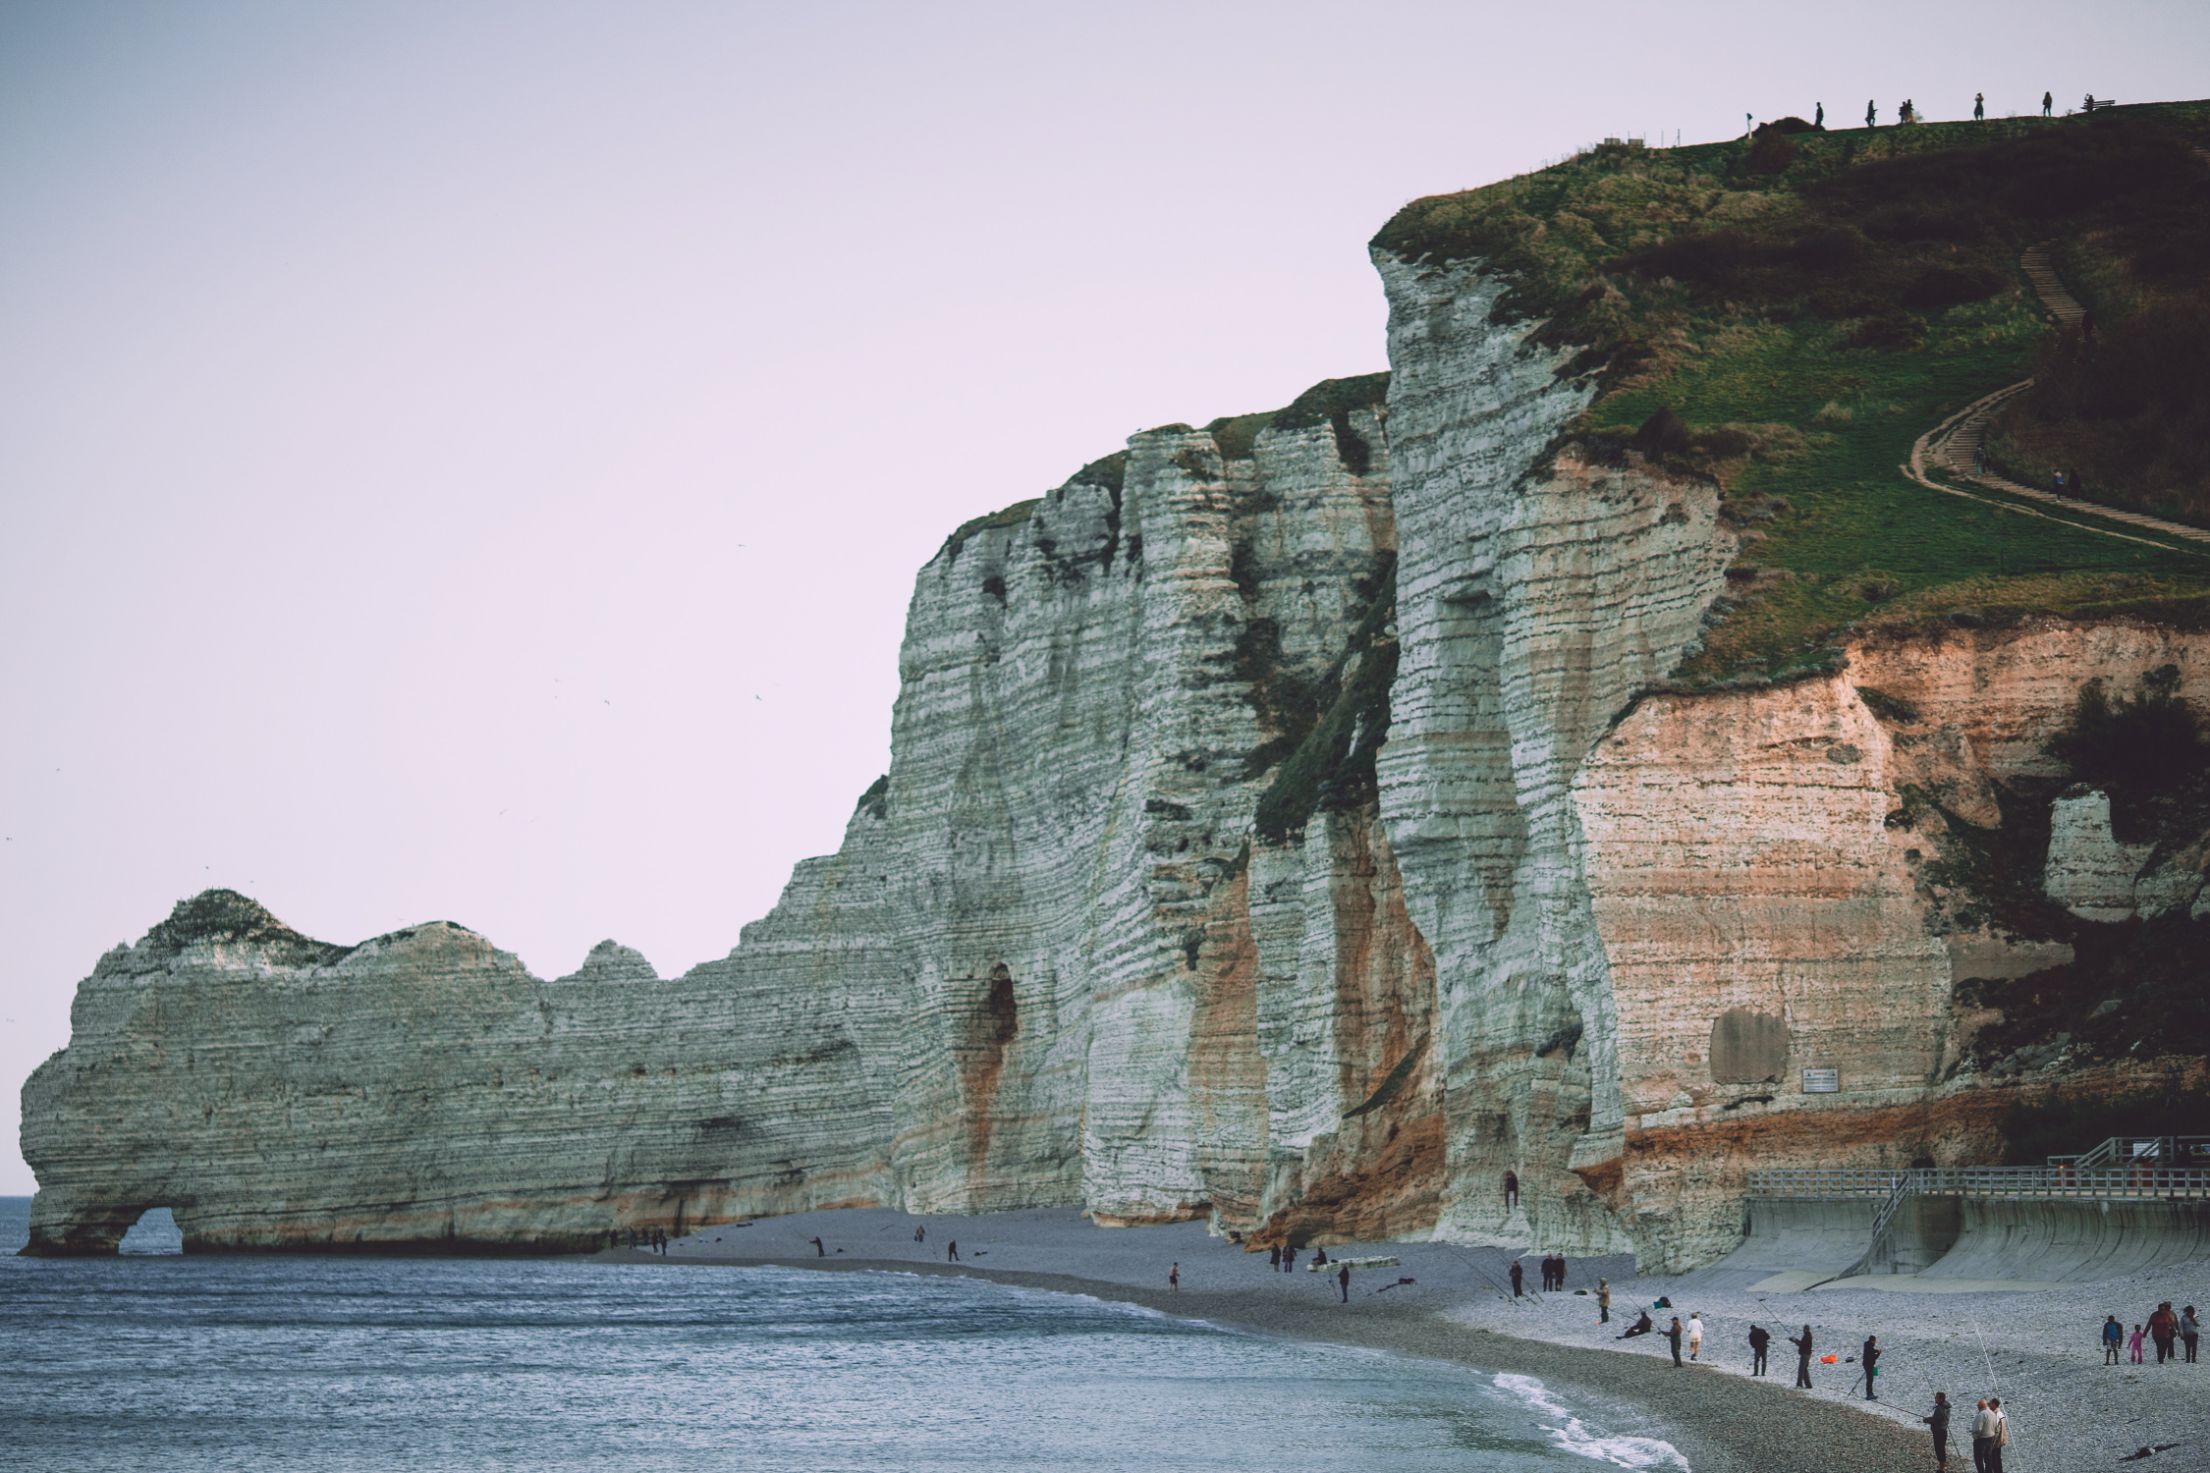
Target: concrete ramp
{"x": 1790, "y": 1244}
{"x": 2072, "y": 1242}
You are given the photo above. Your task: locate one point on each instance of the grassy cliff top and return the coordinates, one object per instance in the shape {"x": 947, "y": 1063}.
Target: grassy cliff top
{"x": 1788, "y": 314}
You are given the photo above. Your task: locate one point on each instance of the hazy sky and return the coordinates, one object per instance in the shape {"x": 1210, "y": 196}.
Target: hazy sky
{"x": 470, "y": 460}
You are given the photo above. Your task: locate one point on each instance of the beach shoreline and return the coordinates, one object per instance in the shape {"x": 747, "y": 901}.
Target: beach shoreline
{"x": 1718, "y": 1423}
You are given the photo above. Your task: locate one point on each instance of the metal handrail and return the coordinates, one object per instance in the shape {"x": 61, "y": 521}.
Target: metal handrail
{"x": 2137, "y": 1179}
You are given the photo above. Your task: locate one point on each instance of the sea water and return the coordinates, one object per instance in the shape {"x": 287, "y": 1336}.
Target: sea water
{"x": 153, "y": 1360}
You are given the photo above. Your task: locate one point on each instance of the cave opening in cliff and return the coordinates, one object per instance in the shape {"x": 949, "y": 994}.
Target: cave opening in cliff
{"x": 154, "y": 1234}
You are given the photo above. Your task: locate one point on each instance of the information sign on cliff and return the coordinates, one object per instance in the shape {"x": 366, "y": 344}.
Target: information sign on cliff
{"x": 1822, "y": 1081}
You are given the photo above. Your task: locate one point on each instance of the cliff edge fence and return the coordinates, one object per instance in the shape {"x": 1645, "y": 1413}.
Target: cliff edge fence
{"x": 1575, "y": 754}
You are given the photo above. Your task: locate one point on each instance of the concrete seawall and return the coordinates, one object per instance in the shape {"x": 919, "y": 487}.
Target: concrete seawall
{"x": 1937, "y": 1238}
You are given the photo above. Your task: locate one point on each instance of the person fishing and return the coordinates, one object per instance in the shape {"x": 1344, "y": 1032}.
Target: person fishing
{"x": 1871, "y": 1358}
{"x": 1803, "y": 1358}
{"x": 1519, "y": 1280}
{"x": 1937, "y": 1423}
{"x": 1641, "y": 1326}
{"x": 1760, "y": 1337}
{"x": 1673, "y": 1338}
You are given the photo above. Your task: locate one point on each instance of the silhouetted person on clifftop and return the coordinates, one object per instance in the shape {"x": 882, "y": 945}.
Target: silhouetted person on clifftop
{"x": 2047, "y": 102}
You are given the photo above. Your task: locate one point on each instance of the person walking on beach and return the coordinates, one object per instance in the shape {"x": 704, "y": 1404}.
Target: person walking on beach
{"x": 1603, "y": 1310}
{"x": 1759, "y": 1339}
{"x": 2135, "y": 1344}
{"x": 1803, "y": 1358}
{"x": 2164, "y": 1329}
{"x": 818, "y": 1250}
{"x": 1871, "y": 1357}
{"x": 2113, "y": 1335}
{"x": 1174, "y": 1279}
{"x": 951, "y": 1251}
{"x": 1519, "y": 1280}
{"x": 1937, "y": 1422}
{"x": 2190, "y": 1331}
{"x": 1343, "y": 1281}
{"x": 1673, "y": 1338}
{"x": 1695, "y": 1334}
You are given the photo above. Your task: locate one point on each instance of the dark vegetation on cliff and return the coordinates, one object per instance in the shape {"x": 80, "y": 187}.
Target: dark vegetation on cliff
{"x": 2133, "y": 988}
{"x": 1788, "y": 314}
{"x": 1331, "y": 766}
{"x": 226, "y": 918}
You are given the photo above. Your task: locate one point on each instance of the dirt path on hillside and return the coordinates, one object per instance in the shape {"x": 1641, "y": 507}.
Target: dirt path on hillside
{"x": 1948, "y": 448}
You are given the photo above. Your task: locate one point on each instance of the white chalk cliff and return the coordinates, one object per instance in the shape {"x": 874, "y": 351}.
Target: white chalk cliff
{"x": 1289, "y": 826}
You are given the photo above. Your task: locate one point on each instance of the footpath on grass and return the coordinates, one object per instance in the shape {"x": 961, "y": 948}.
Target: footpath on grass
{"x": 1950, "y": 448}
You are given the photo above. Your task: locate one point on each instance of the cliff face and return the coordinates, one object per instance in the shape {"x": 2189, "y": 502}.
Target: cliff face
{"x": 1285, "y": 824}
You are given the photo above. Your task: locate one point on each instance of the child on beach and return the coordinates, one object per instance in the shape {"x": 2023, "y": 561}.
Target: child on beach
{"x": 2138, "y": 1337}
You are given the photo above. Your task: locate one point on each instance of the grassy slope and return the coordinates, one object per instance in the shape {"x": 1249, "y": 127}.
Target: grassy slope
{"x": 1775, "y": 302}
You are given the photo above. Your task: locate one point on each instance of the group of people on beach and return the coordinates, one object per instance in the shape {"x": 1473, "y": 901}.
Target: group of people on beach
{"x": 2166, "y": 1329}
{"x": 1990, "y": 1433}
{"x": 652, "y": 1240}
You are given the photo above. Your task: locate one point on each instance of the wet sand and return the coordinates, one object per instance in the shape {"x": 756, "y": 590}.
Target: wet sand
{"x": 1720, "y": 1423}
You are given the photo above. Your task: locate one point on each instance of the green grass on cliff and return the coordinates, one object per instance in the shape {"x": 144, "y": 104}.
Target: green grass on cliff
{"x": 1806, "y": 305}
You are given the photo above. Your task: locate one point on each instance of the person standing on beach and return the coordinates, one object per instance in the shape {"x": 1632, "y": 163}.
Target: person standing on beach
{"x": 1343, "y": 1281}
{"x": 2001, "y": 1439}
{"x": 1803, "y": 1358}
{"x": 1759, "y": 1339}
{"x": 2114, "y": 1334}
{"x": 1695, "y": 1334}
{"x": 2135, "y": 1345}
{"x": 818, "y": 1250}
{"x": 2164, "y": 1329}
{"x": 2190, "y": 1331}
{"x": 920, "y": 1235}
{"x": 1937, "y": 1422}
{"x": 1673, "y": 1338}
{"x": 951, "y": 1251}
{"x": 1174, "y": 1279}
{"x": 1603, "y": 1310}
{"x": 1273, "y": 1258}
{"x": 1561, "y": 1271}
{"x": 1983, "y": 1435}
{"x": 1871, "y": 1357}
{"x": 1519, "y": 1280}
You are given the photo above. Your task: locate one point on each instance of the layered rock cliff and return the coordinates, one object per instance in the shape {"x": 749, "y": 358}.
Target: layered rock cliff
{"x": 1289, "y": 821}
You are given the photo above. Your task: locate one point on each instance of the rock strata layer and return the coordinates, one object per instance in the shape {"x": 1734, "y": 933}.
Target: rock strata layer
{"x": 1287, "y": 824}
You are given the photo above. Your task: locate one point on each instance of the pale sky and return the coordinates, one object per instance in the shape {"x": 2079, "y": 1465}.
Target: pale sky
{"x": 469, "y": 461}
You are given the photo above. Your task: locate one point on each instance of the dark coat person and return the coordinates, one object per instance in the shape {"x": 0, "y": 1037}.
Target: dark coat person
{"x": 1759, "y": 1339}
{"x": 1803, "y": 1358}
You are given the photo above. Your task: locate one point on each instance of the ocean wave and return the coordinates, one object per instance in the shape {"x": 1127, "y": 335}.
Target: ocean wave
{"x": 1572, "y": 1435}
